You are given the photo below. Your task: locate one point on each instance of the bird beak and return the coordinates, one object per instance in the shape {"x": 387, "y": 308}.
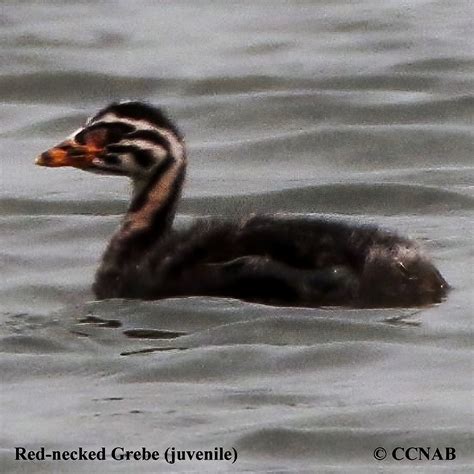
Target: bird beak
{"x": 69, "y": 153}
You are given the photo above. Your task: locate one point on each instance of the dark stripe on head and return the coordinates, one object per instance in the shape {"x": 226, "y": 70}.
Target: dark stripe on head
{"x": 144, "y": 158}
{"x": 139, "y": 111}
{"x": 150, "y": 136}
{"x": 111, "y": 159}
{"x": 114, "y": 131}
{"x": 140, "y": 200}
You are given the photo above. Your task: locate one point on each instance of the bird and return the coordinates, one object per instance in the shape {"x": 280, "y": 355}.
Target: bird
{"x": 280, "y": 260}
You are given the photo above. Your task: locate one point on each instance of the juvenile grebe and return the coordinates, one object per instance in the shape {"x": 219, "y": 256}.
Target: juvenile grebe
{"x": 285, "y": 261}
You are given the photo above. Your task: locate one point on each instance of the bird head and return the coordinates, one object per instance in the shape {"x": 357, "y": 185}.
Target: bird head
{"x": 401, "y": 275}
{"x": 128, "y": 139}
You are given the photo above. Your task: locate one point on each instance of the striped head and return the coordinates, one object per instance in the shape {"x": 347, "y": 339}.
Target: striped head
{"x": 127, "y": 139}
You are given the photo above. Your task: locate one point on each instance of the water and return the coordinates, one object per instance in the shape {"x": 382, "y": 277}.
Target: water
{"x": 358, "y": 109}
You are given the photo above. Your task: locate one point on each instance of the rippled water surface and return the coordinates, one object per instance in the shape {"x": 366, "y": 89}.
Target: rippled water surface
{"x": 357, "y": 109}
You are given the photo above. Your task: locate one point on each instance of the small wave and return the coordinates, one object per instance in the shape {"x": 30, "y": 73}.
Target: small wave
{"x": 355, "y": 198}
{"x": 344, "y": 444}
{"x": 294, "y": 329}
{"x": 31, "y": 344}
{"x": 337, "y": 198}
{"x": 46, "y": 128}
{"x": 33, "y": 207}
{"x": 224, "y": 362}
{"x": 436, "y": 65}
{"x": 75, "y": 86}
{"x": 350, "y": 147}
{"x": 316, "y": 137}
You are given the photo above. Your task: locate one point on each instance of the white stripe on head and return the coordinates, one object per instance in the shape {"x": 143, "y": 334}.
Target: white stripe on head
{"x": 128, "y": 162}
{"x": 176, "y": 147}
{"x": 73, "y": 134}
{"x": 158, "y": 151}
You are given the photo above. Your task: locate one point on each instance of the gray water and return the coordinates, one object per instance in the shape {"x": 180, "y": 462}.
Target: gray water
{"x": 359, "y": 109}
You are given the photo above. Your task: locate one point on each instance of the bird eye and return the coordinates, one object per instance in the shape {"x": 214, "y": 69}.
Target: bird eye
{"x": 111, "y": 159}
{"x": 79, "y": 138}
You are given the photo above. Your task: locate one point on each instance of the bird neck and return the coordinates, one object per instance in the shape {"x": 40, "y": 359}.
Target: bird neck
{"x": 154, "y": 200}
{"x": 151, "y": 211}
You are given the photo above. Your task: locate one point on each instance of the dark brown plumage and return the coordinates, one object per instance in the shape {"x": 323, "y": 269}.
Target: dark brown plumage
{"x": 275, "y": 260}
